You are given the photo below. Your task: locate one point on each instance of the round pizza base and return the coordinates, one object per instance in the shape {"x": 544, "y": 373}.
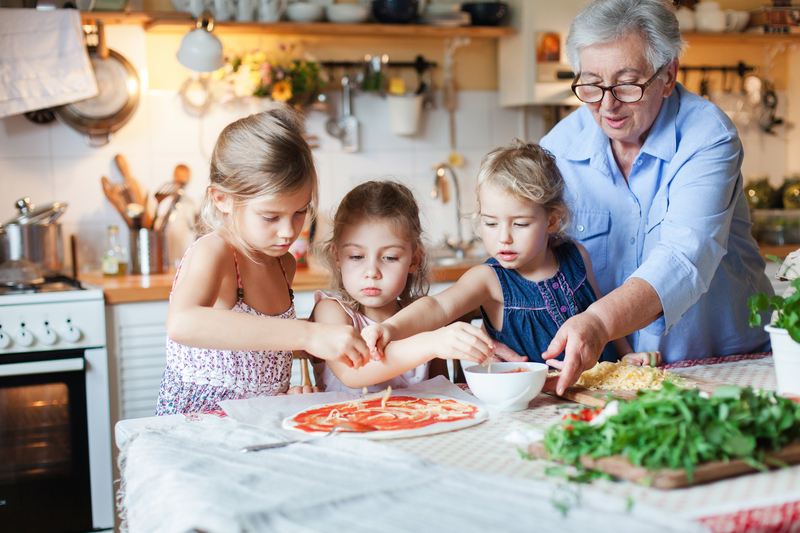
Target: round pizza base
{"x": 439, "y": 427}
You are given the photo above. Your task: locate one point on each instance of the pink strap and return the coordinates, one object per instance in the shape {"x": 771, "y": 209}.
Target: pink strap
{"x": 288, "y": 285}
{"x": 240, "y": 290}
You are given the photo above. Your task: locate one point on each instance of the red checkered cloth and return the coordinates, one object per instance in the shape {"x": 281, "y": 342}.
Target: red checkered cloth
{"x": 717, "y": 360}
{"x": 784, "y": 518}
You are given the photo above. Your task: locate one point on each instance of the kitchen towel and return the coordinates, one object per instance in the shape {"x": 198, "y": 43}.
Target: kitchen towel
{"x": 43, "y": 60}
{"x": 192, "y": 477}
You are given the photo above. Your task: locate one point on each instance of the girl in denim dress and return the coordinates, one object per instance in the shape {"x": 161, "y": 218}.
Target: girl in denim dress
{"x": 536, "y": 277}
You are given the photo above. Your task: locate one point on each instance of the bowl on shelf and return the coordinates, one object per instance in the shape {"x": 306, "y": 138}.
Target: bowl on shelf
{"x": 486, "y": 13}
{"x": 346, "y": 13}
{"x": 394, "y": 11}
{"x": 305, "y": 12}
{"x": 509, "y": 386}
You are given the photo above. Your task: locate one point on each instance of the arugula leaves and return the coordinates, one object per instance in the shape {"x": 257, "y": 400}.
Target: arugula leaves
{"x": 678, "y": 428}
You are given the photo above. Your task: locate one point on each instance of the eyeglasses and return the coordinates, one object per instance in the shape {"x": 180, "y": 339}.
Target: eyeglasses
{"x": 627, "y": 93}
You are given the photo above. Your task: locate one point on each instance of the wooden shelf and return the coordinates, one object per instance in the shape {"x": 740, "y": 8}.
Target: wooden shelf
{"x": 166, "y": 19}
{"x": 740, "y": 38}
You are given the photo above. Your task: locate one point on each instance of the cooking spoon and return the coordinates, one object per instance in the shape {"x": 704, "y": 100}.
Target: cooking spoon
{"x": 341, "y": 426}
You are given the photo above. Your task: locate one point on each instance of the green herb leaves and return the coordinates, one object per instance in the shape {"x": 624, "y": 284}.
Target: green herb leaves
{"x": 787, "y": 309}
{"x": 679, "y": 428}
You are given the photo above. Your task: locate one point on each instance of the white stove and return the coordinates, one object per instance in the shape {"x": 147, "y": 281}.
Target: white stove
{"x": 55, "y": 435}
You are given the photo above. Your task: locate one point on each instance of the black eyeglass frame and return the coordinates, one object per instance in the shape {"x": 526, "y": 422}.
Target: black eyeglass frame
{"x": 611, "y": 88}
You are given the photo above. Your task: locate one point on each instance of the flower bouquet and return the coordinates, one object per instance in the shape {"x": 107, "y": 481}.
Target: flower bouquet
{"x": 278, "y": 77}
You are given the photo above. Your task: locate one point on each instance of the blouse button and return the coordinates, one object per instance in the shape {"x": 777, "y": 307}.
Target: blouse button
{"x": 555, "y": 285}
{"x": 563, "y": 308}
{"x": 580, "y": 227}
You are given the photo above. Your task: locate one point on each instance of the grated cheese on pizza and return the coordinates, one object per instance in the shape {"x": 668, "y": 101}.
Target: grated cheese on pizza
{"x": 622, "y": 376}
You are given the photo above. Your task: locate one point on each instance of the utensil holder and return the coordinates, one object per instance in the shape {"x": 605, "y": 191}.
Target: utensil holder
{"x": 404, "y": 113}
{"x": 148, "y": 252}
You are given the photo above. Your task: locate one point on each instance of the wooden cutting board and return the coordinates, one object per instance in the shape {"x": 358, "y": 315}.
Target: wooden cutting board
{"x": 597, "y": 398}
{"x": 666, "y": 479}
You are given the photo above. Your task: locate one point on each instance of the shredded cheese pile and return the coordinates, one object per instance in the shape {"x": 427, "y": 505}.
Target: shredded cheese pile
{"x": 622, "y": 376}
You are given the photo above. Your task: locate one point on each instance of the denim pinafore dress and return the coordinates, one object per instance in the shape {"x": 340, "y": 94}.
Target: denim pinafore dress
{"x": 534, "y": 310}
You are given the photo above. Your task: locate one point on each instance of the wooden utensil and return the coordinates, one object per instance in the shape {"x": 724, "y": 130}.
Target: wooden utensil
{"x": 182, "y": 175}
{"x": 116, "y": 200}
{"x": 138, "y": 192}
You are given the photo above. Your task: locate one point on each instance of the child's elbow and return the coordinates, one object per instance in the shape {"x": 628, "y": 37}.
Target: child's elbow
{"x": 177, "y": 330}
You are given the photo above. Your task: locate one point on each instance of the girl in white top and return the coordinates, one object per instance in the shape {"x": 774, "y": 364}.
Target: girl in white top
{"x": 378, "y": 266}
{"x": 229, "y": 325}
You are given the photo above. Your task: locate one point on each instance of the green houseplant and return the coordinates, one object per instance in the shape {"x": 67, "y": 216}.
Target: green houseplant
{"x": 784, "y": 329}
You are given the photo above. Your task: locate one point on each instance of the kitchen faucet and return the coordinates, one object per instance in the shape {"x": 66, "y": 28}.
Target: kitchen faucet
{"x": 459, "y": 245}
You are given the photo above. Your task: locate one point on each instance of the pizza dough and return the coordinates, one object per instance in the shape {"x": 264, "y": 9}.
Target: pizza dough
{"x": 403, "y": 416}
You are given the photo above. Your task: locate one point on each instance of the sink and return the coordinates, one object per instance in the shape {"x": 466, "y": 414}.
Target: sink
{"x": 446, "y": 256}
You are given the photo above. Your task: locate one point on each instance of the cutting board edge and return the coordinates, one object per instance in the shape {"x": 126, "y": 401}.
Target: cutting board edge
{"x": 667, "y": 479}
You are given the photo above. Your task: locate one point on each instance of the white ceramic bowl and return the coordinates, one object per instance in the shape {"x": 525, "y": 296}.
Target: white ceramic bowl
{"x": 346, "y": 13}
{"x": 304, "y": 12}
{"x": 503, "y": 390}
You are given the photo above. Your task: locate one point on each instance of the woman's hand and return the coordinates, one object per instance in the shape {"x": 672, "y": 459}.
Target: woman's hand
{"x": 299, "y": 389}
{"x": 377, "y": 336}
{"x": 582, "y": 339}
{"x": 334, "y": 342}
{"x": 460, "y": 340}
{"x": 643, "y": 358}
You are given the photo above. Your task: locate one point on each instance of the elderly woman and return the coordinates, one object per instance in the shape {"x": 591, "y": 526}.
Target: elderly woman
{"x": 655, "y": 177}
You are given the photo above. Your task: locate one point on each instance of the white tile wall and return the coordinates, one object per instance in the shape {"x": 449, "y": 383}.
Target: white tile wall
{"x": 53, "y": 163}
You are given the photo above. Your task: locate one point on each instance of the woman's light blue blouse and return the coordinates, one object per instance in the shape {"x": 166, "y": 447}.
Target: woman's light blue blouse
{"x": 681, "y": 223}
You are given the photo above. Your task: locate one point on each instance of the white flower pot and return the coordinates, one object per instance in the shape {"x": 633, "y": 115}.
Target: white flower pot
{"x": 786, "y": 355}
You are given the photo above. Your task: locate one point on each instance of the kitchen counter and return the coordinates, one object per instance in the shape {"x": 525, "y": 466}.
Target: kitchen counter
{"x": 156, "y": 287}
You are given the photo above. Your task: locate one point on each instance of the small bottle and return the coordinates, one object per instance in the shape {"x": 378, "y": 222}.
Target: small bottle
{"x": 115, "y": 258}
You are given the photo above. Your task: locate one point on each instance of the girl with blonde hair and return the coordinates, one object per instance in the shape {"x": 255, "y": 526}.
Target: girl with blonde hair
{"x": 230, "y": 326}
{"x": 536, "y": 277}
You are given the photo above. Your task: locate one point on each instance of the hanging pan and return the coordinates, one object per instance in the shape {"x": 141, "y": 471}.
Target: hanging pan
{"x": 100, "y": 116}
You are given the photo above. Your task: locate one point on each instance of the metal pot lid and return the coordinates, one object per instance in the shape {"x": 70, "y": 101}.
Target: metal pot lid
{"x": 28, "y": 215}
{"x": 16, "y": 272}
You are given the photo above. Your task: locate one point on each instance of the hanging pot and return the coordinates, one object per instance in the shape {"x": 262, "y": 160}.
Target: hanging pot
{"x": 100, "y": 116}
{"x": 34, "y": 236}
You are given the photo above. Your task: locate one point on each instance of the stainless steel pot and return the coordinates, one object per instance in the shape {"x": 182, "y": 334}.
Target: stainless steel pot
{"x": 34, "y": 236}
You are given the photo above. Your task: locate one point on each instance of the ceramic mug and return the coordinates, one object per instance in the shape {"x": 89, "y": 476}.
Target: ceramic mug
{"x": 223, "y": 10}
{"x": 271, "y": 10}
{"x": 245, "y": 10}
{"x": 685, "y": 18}
{"x": 736, "y": 20}
{"x": 709, "y": 17}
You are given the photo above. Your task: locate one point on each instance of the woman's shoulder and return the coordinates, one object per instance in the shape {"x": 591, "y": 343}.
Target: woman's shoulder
{"x": 697, "y": 112}
{"x": 568, "y": 130}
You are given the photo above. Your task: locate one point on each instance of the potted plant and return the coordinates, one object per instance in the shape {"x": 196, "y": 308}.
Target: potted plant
{"x": 784, "y": 328}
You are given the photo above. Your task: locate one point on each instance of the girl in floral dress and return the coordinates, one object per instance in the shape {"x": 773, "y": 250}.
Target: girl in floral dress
{"x": 230, "y": 326}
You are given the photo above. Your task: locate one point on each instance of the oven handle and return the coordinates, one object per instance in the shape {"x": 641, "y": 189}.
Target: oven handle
{"x": 42, "y": 367}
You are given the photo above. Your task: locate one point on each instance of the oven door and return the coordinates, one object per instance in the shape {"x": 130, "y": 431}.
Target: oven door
{"x": 44, "y": 445}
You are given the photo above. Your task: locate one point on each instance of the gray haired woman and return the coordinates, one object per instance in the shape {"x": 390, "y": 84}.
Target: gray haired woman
{"x": 654, "y": 174}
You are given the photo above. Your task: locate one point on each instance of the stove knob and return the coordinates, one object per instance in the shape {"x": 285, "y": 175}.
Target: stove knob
{"x": 5, "y": 340}
{"x": 71, "y": 333}
{"x": 47, "y": 336}
{"x": 23, "y": 337}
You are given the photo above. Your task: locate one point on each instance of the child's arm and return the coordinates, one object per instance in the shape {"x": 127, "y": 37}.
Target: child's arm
{"x": 200, "y": 314}
{"x": 622, "y": 346}
{"x": 457, "y": 341}
{"x": 471, "y": 291}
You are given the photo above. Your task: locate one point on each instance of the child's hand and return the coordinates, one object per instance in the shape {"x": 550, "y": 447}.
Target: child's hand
{"x": 643, "y": 358}
{"x": 377, "y": 336}
{"x": 504, "y": 354}
{"x": 334, "y": 342}
{"x": 460, "y": 340}
{"x": 305, "y": 389}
